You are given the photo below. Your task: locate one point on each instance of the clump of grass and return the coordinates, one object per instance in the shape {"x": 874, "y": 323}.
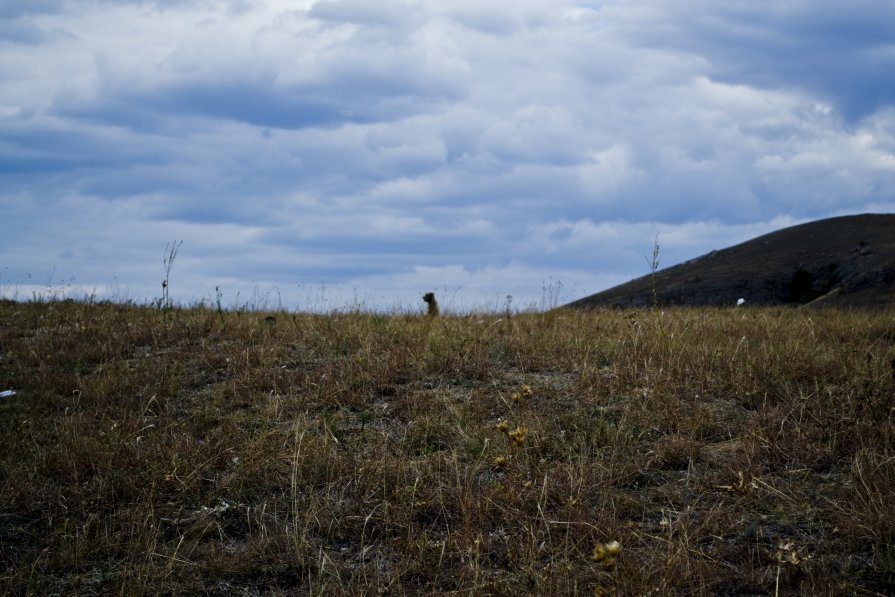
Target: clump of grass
{"x": 196, "y": 450}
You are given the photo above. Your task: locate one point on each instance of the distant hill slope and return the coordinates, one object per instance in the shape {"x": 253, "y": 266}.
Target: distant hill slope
{"x": 847, "y": 261}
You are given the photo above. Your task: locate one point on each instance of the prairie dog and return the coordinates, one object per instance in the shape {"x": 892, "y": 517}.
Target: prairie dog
{"x": 429, "y": 297}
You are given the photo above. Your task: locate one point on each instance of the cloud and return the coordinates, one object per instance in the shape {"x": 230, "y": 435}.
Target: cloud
{"x": 399, "y": 144}
{"x": 837, "y": 51}
{"x": 11, "y": 9}
{"x": 390, "y": 13}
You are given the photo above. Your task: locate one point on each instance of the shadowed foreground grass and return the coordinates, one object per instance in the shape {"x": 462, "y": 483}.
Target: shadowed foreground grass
{"x": 185, "y": 451}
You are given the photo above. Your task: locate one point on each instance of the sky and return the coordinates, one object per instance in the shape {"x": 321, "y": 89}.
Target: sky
{"x": 329, "y": 154}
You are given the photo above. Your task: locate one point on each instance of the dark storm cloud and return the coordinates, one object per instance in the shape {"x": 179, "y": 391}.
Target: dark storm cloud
{"x": 843, "y": 52}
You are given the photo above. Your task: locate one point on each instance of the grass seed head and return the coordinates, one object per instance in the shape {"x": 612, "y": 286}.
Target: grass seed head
{"x": 788, "y": 554}
{"x": 605, "y": 554}
{"x": 518, "y": 434}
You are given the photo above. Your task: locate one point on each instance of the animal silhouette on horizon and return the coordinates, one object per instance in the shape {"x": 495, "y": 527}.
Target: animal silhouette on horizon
{"x": 429, "y": 297}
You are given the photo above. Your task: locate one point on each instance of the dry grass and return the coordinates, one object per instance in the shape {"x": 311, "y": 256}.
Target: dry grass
{"x": 728, "y": 452}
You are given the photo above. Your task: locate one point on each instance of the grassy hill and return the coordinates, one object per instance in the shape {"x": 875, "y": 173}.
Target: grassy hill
{"x": 696, "y": 451}
{"x": 847, "y": 261}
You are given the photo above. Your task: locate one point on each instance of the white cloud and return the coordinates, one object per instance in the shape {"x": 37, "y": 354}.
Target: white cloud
{"x": 607, "y": 171}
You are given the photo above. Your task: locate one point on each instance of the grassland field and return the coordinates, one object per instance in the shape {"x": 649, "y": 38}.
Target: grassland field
{"x": 680, "y": 452}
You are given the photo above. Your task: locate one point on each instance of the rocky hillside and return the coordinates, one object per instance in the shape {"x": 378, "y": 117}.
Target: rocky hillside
{"x": 846, "y": 261}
